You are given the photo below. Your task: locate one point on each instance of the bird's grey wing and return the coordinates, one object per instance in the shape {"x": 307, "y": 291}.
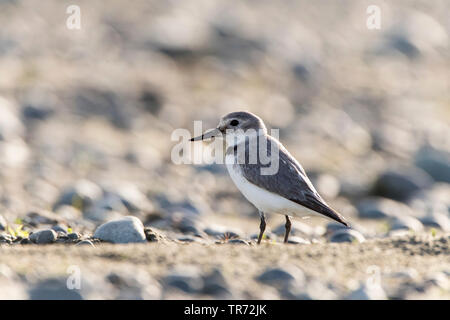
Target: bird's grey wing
{"x": 290, "y": 182}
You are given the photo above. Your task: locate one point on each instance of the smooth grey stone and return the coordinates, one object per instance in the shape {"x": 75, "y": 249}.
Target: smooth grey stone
{"x": 43, "y": 236}
{"x": 407, "y": 223}
{"x": 125, "y": 230}
{"x": 402, "y": 183}
{"x": 435, "y": 162}
{"x": 347, "y": 235}
{"x": 380, "y": 208}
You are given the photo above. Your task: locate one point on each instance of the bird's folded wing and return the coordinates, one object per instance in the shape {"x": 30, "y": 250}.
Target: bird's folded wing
{"x": 290, "y": 182}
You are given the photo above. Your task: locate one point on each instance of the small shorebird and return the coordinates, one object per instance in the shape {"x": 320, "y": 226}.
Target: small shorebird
{"x": 286, "y": 191}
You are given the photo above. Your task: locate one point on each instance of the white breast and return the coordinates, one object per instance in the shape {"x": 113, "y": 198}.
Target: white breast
{"x": 264, "y": 200}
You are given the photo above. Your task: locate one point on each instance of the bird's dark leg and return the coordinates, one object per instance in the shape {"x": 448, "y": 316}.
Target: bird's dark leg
{"x": 262, "y": 226}
{"x": 288, "y": 229}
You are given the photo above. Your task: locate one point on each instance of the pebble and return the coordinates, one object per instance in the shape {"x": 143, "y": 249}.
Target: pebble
{"x": 125, "y": 230}
{"x": 43, "y": 236}
{"x": 368, "y": 292}
{"x": 53, "y": 289}
{"x": 74, "y": 236}
{"x": 59, "y": 228}
{"x": 380, "y": 208}
{"x": 298, "y": 240}
{"x": 2, "y": 223}
{"x": 297, "y": 229}
{"x": 347, "y": 235}
{"x": 435, "y": 162}
{"x": 152, "y": 235}
{"x": 134, "y": 285}
{"x": 402, "y": 183}
{"x": 281, "y": 277}
{"x": 186, "y": 278}
{"x": 437, "y": 220}
{"x": 85, "y": 243}
{"x": 238, "y": 241}
{"x": 81, "y": 195}
{"x": 406, "y": 222}
{"x": 215, "y": 284}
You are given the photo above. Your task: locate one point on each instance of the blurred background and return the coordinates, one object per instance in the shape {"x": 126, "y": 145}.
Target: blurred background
{"x": 86, "y": 115}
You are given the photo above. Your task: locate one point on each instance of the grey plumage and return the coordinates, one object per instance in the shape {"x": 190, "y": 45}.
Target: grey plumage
{"x": 290, "y": 182}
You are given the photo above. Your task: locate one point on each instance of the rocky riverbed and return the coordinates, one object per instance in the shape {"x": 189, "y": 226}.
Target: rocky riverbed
{"x": 90, "y": 194}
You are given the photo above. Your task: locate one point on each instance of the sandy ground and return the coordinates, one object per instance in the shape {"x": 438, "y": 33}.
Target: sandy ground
{"x": 343, "y": 266}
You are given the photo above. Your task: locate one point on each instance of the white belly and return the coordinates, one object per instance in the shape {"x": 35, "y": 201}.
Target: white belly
{"x": 264, "y": 200}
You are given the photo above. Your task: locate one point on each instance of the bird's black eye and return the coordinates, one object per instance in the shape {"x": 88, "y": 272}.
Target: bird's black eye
{"x": 234, "y": 123}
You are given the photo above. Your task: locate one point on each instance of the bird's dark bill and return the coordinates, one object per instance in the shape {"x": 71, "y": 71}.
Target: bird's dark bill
{"x": 207, "y": 135}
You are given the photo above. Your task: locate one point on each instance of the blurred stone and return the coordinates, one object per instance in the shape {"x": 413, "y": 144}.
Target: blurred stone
{"x": 58, "y": 228}
{"x": 215, "y": 284}
{"x": 85, "y": 243}
{"x": 104, "y": 103}
{"x": 298, "y": 228}
{"x": 406, "y": 222}
{"x": 151, "y": 101}
{"x": 74, "y": 236}
{"x": 237, "y": 241}
{"x": 54, "y": 289}
{"x": 14, "y": 153}
{"x": 414, "y": 34}
{"x": 38, "y": 216}
{"x": 43, "y": 236}
{"x": 81, "y": 196}
{"x": 12, "y": 287}
{"x": 133, "y": 199}
{"x": 437, "y": 220}
{"x": 347, "y": 235}
{"x": 402, "y": 183}
{"x": 368, "y": 292}
{"x": 222, "y": 232}
{"x": 435, "y": 162}
{"x": 379, "y": 208}
{"x": 36, "y": 112}
{"x": 3, "y": 223}
{"x": 10, "y": 125}
{"x": 125, "y": 230}
{"x": 152, "y": 235}
{"x": 298, "y": 240}
{"x": 132, "y": 285}
{"x": 327, "y": 185}
{"x": 187, "y": 279}
{"x": 109, "y": 207}
{"x": 281, "y": 277}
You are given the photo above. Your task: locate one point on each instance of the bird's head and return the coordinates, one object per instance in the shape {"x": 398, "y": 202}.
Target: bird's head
{"x": 235, "y": 127}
